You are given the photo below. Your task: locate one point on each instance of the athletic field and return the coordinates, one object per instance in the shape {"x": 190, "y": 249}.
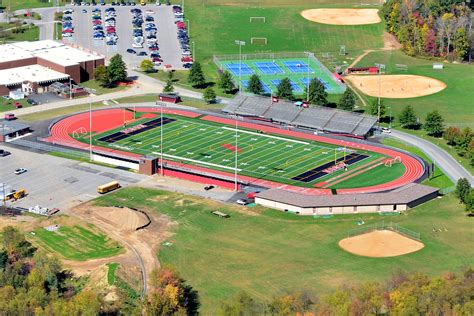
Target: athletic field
{"x": 205, "y": 142}
{"x": 272, "y": 70}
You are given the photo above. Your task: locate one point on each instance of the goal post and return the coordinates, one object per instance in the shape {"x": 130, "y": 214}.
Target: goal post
{"x": 260, "y": 19}
{"x": 258, "y": 41}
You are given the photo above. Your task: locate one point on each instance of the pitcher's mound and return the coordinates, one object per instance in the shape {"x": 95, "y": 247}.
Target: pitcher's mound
{"x": 396, "y": 86}
{"x": 379, "y": 244}
{"x": 342, "y": 16}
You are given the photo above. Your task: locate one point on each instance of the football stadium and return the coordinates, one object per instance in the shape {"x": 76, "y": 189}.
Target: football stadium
{"x": 237, "y": 151}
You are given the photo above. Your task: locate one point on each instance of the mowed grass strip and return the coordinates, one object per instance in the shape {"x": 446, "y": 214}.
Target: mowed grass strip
{"x": 112, "y": 269}
{"x": 265, "y": 156}
{"x": 76, "y": 243}
{"x": 269, "y": 252}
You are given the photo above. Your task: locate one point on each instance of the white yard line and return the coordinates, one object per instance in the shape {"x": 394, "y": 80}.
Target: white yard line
{"x": 264, "y": 135}
{"x": 197, "y": 161}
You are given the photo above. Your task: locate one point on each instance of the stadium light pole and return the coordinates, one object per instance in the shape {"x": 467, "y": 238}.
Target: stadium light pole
{"x": 240, "y": 43}
{"x": 161, "y": 138}
{"x": 236, "y": 152}
{"x": 70, "y": 88}
{"x": 90, "y": 131}
{"x": 380, "y": 67}
{"x": 189, "y": 27}
{"x": 390, "y": 118}
{"x": 194, "y": 50}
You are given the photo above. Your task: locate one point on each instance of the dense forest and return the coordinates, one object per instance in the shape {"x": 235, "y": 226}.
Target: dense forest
{"x": 432, "y": 28}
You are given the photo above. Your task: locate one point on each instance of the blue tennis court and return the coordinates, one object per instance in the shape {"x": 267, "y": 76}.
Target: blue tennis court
{"x": 306, "y": 81}
{"x": 234, "y": 68}
{"x": 269, "y": 68}
{"x": 266, "y": 89}
{"x": 294, "y": 85}
{"x": 297, "y": 66}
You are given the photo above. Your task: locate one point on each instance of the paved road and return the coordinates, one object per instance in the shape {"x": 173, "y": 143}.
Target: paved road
{"x": 444, "y": 160}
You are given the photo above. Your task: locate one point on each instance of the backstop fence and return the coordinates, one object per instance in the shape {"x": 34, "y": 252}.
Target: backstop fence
{"x": 385, "y": 226}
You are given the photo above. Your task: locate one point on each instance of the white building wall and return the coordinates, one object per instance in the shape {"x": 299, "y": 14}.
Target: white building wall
{"x": 115, "y": 162}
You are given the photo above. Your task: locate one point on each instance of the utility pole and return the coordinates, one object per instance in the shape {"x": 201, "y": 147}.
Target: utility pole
{"x": 380, "y": 67}
{"x": 240, "y": 43}
{"x": 390, "y": 118}
{"x": 236, "y": 152}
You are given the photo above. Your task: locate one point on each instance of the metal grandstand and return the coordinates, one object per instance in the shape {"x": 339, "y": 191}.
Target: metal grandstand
{"x": 315, "y": 117}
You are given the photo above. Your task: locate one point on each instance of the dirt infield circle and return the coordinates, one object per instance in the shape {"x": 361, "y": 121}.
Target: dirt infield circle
{"x": 396, "y": 86}
{"x": 342, "y": 16}
{"x": 380, "y": 244}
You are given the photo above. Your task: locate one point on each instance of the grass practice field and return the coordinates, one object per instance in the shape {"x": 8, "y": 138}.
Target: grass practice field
{"x": 76, "y": 243}
{"x": 280, "y": 159}
{"x": 271, "y": 71}
{"x": 267, "y": 252}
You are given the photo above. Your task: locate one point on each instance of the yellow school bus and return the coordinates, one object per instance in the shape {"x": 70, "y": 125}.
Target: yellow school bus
{"x": 108, "y": 187}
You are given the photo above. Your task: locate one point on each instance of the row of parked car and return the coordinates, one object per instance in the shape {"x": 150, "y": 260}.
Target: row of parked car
{"x": 186, "y": 55}
{"x": 68, "y": 28}
{"x": 144, "y": 35}
{"x": 104, "y": 30}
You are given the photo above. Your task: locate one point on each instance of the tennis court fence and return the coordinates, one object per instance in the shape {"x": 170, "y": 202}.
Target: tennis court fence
{"x": 385, "y": 226}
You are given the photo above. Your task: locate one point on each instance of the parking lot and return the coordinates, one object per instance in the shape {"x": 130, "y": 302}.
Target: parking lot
{"x": 54, "y": 182}
{"x": 166, "y": 34}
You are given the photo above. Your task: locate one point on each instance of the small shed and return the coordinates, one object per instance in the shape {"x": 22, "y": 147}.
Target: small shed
{"x": 169, "y": 97}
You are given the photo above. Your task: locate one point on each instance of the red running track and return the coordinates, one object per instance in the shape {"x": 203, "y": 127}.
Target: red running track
{"x": 104, "y": 120}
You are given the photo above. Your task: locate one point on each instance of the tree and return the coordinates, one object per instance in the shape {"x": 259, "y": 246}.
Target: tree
{"x": 347, "y": 101}
{"x": 284, "y": 89}
{"x": 147, "y": 65}
{"x": 242, "y": 304}
{"x": 317, "y": 93}
{"x": 169, "y": 83}
{"x": 470, "y": 201}
{"x": 117, "y": 69}
{"x": 209, "y": 95}
{"x": 461, "y": 44}
{"x": 225, "y": 82}
{"x": 101, "y": 75}
{"x": 434, "y": 124}
{"x": 408, "y": 118}
{"x": 255, "y": 84}
{"x": 451, "y": 134}
{"x": 463, "y": 187}
{"x": 196, "y": 76}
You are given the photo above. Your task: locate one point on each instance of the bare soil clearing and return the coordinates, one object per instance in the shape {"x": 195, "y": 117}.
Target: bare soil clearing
{"x": 380, "y": 244}
{"x": 342, "y": 16}
{"x": 396, "y": 86}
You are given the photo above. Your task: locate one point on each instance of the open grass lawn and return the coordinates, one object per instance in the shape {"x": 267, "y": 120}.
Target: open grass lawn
{"x": 455, "y": 103}
{"x": 262, "y": 156}
{"x": 93, "y": 84}
{"x": 269, "y": 252}
{"x": 30, "y": 33}
{"x": 216, "y": 24}
{"x": 76, "y": 242}
{"x": 8, "y": 105}
{"x": 25, "y": 4}
{"x": 49, "y": 114}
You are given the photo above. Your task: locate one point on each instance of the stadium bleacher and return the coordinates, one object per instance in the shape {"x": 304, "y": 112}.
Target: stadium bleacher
{"x": 314, "y": 117}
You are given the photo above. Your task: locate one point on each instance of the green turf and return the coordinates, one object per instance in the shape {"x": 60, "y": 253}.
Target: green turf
{"x": 270, "y": 252}
{"x": 76, "y": 243}
{"x": 299, "y": 79}
{"x": 455, "y": 103}
{"x": 93, "y": 84}
{"x": 261, "y": 156}
{"x": 25, "y": 4}
{"x": 112, "y": 269}
{"x": 215, "y": 25}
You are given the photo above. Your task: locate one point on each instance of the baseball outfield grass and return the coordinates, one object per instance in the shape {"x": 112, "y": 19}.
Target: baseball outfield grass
{"x": 76, "y": 242}
{"x": 266, "y": 252}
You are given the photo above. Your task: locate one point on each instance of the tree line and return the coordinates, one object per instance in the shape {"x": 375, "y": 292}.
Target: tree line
{"x": 431, "y": 28}
{"x": 461, "y": 139}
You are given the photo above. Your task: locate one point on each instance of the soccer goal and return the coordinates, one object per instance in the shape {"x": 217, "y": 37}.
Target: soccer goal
{"x": 390, "y": 162}
{"x": 79, "y": 132}
{"x": 258, "y": 41}
{"x": 259, "y": 19}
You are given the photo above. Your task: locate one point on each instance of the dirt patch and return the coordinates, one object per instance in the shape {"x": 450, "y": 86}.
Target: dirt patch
{"x": 380, "y": 244}
{"x": 342, "y": 16}
{"x": 390, "y": 42}
{"x": 396, "y": 86}
{"x": 114, "y": 221}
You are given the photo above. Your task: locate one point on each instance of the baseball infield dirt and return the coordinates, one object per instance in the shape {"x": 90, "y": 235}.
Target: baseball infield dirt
{"x": 380, "y": 244}
{"x": 342, "y": 16}
{"x": 396, "y": 86}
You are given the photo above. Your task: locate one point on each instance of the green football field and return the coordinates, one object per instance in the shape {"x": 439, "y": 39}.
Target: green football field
{"x": 263, "y": 156}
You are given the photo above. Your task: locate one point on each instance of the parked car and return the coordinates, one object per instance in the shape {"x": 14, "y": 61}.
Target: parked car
{"x": 4, "y": 153}
{"x": 20, "y": 171}
{"x": 142, "y": 53}
{"x": 242, "y": 202}
{"x": 131, "y": 51}
{"x": 32, "y": 102}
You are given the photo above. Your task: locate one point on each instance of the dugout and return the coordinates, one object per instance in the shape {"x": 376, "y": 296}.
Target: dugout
{"x": 398, "y": 200}
{"x": 10, "y": 130}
